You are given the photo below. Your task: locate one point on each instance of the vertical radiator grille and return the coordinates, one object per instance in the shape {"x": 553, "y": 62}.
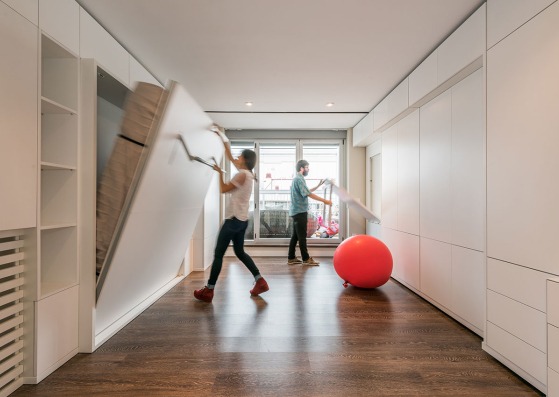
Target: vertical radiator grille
{"x": 11, "y": 310}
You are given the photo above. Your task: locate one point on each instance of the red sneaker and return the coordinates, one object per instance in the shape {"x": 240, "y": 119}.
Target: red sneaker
{"x": 205, "y": 294}
{"x": 259, "y": 287}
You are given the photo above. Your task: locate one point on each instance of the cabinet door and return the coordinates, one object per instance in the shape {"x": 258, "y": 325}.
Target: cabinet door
{"x": 18, "y": 120}
{"x": 468, "y": 163}
{"x": 57, "y": 330}
{"x": 408, "y": 174}
{"x": 522, "y": 140}
{"x": 60, "y": 19}
{"x": 390, "y": 178}
{"x": 468, "y": 285}
{"x": 434, "y": 168}
{"x": 435, "y": 266}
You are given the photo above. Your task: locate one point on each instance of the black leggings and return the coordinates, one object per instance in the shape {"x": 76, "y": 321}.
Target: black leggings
{"x": 232, "y": 230}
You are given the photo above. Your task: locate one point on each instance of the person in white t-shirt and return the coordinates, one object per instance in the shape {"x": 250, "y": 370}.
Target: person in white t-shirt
{"x": 235, "y": 224}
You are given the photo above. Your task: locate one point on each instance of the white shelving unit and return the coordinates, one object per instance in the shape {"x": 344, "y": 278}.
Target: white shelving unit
{"x": 58, "y": 259}
{"x": 54, "y": 300}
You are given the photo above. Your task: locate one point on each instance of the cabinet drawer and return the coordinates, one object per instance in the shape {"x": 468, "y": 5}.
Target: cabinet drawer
{"x": 553, "y": 347}
{"x": 553, "y": 302}
{"x": 517, "y": 282}
{"x": 520, "y": 353}
{"x": 519, "y": 320}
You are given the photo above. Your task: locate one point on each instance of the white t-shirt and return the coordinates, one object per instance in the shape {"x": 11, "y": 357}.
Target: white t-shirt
{"x": 240, "y": 197}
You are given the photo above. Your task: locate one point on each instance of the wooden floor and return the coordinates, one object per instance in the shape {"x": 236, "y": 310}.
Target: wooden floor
{"x": 307, "y": 336}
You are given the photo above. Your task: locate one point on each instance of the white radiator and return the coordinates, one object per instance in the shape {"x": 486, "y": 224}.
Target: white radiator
{"x": 11, "y": 310}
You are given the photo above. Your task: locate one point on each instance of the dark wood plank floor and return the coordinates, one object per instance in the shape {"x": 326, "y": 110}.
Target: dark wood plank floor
{"x": 307, "y": 336}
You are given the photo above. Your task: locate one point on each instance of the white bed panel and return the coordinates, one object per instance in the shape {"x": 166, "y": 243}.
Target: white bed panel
{"x": 164, "y": 211}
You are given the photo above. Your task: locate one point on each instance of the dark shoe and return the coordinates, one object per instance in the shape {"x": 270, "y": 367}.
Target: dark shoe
{"x": 259, "y": 287}
{"x": 310, "y": 262}
{"x": 205, "y": 294}
{"x": 294, "y": 261}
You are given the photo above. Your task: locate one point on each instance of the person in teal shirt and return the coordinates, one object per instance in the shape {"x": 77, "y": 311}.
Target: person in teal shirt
{"x": 298, "y": 211}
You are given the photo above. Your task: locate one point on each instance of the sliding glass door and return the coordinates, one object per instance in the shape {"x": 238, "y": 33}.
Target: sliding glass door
{"x": 275, "y": 170}
{"x": 324, "y": 164}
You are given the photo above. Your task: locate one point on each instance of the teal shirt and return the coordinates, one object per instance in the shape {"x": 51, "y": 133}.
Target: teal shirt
{"x": 299, "y": 196}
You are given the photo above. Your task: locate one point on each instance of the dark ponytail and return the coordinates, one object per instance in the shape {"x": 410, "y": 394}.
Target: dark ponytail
{"x": 250, "y": 160}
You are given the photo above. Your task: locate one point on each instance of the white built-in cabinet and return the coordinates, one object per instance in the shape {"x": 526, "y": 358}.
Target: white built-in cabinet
{"x": 522, "y": 188}
{"x": 58, "y": 178}
{"x": 433, "y": 200}
{"x": 18, "y": 120}
{"x": 433, "y": 176}
{"x": 43, "y": 224}
{"x": 55, "y": 336}
{"x": 456, "y": 58}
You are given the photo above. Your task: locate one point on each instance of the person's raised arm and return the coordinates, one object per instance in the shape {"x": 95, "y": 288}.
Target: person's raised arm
{"x": 224, "y": 187}
{"x": 317, "y": 186}
{"x": 226, "y": 146}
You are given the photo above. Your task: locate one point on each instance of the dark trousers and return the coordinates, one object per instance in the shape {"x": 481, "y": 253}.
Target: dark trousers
{"x": 232, "y": 230}
{"x": 300, "y": 235}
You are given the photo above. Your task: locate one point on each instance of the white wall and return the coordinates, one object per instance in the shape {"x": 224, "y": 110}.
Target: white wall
{"x": 355, "y": 157}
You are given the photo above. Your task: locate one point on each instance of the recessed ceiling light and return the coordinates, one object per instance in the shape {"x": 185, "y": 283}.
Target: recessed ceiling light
{"x": 249, "y": 104}
{"x": 329, "y": 104}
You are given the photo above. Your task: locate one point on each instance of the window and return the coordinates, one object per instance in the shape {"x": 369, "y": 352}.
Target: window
{"x": 275, "y": 170}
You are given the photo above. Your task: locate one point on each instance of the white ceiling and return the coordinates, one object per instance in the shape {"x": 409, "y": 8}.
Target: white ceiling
{"x": 288, "y": 57}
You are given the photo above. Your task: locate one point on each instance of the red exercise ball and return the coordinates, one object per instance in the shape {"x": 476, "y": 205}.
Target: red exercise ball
{"x": 363, "y": 261}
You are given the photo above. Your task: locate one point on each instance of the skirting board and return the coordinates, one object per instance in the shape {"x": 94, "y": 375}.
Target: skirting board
{"x": 33, "y": 380}
{"x": 442, "y": 308}
{"x": 108, "y": 332}
{"x": 520, "y": 372}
